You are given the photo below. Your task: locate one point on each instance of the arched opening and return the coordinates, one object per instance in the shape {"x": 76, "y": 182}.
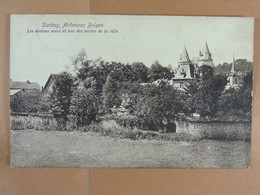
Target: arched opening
{"x": 170, "y": 127}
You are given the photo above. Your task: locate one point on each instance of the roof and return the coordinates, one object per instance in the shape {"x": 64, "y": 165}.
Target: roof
{"x": 184, "y": 56}
{"x": 207, "y": 54}
{"x": 51, "y": 78}
{"x": 14, "y": 91}
{"x": 24, "y": 85}
{"x": 206, "y": 47}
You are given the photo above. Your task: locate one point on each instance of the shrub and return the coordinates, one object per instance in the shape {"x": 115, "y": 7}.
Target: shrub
{"x": 19, "y": 122}
{"x": 227, "y": 135}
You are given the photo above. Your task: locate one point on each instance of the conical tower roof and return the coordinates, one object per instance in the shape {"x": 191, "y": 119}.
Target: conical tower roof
{"x": 184, "y": 57}
{"x": 205, "y": 57}
{"x": 206, "y": 47}
{"x": 207, "y": 54}
{"x": 233, "y": 66}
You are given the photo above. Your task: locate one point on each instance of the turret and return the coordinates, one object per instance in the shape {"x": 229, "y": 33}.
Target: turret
{"x": 184, "y": 57}
{"x": 205, "y": 57}
{"x": 232, "y": 74}
{"x": 184, "y": 66}
{"x": 207, "y": 54}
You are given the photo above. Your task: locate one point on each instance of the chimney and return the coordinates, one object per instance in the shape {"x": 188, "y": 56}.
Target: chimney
{"x": 28, "y": 82}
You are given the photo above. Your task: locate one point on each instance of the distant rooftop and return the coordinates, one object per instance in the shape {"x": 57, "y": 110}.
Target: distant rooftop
{"x": 24, "y": 85}
{"x": 14, "y": 91}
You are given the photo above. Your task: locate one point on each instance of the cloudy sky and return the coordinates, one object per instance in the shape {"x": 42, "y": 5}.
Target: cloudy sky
{"x": 34, "y": 56}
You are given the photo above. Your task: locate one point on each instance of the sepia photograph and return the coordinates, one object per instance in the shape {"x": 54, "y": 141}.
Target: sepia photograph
{"x": 121, "y": 91}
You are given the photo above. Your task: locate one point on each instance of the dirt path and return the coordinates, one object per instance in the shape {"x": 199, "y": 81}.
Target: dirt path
{"x": 31, "y": 148}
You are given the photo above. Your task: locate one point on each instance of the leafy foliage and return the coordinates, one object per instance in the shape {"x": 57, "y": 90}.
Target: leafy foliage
{"x": 110, "y": 94}
{"x": 237, "y": 102}
{"x": 84, "y": 106}
{"x": 242, "y": 66}
{"x": 140, "y": 72}
{"x": 157, "y": 71}
{"x": 61, "y": 96}
{"x": 202, "y": 96}
{"x": 102, "y": 87}
{"x": 207, "y": 72}
{"x": 27, "y": 102}
{"x": 159, "y": 104}
{"x": 246, "y": 92}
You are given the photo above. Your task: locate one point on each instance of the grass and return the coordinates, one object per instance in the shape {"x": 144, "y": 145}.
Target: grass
{"x": 107, "y": 144}
{"x": 31, "y": 148}
{"x": 227, "y": 134}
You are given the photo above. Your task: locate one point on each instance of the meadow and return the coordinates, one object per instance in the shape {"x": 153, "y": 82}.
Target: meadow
{"x": 38, "y": 142}
{"x": 31, "y": 148}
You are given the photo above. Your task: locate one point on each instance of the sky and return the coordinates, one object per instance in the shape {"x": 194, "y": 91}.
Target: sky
{"x": 34, "y": 56}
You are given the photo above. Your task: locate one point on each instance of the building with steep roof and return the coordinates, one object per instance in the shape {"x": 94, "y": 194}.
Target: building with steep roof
{"x": 14, "y": 85}
{"x": 185, "y": 68}
{"x": 205, "y": 57}
{"x": 191, "y": 69}
{"x": 232, "y": 77}
{"x": 47, "y": 89}
{"x": 19, "y": 89}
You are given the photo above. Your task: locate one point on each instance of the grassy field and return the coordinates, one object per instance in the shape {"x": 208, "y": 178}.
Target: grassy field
{"x": 31, "y": 148}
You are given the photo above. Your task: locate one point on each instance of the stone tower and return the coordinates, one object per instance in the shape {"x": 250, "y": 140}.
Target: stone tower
{"x": 205, "y": 57}
{"x": 185, "y": 68}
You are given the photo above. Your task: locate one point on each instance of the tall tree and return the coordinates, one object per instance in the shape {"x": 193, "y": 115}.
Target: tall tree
{"x": 84, "y": 106}
{"x": 191, "y": 96}
{"x": 237, "y": 102}
{"x": 140, "y": 72}
{"x": 209, "y": 94}
{"x": 246, "y": 92}
{"x": 111, "y": 96}
{"x": 159, "y": 105}
{"x": 61, "y": 97}
{"x": 207, "y": 72}
{"x": 157, "y": 71}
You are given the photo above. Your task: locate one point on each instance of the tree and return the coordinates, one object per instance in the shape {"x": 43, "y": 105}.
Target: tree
{"x": 209, "y": 94}
{"x": 45, "y": 104}
{"x": 157, "y": 71}
{"x": 61, "y": 97}
{"x": 229, "y": 103}
{"x": 242, "y": 66}
{"x": 238, "y": 101}
{"x": 203, "y": 96}
{"x": 207, "y": 72}
{"x": 29, "y": 102}
{"x": 159, "y": 105}
{"x": 111, "y": 94}
{"x": 121, "y": 72}
{"x": 192, "y": 98}
{"x": 79, "y": 60}
{"x": 130, "y": 94}
{"x": 246, "y": 92}
{"x": 140, "y": 72}
{"x": 84, "y": 106}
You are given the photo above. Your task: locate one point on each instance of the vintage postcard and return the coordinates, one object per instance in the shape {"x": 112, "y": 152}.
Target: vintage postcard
{"x": 130, "y": 91}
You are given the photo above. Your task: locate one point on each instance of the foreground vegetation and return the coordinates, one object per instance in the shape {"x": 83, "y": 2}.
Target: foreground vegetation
{"x": 30, "y": 148}
{"x": 111, "y": 128}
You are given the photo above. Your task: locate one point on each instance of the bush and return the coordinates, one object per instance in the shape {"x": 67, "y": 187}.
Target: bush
{"x": 227, "y": 135}
{"x": 19, "y": 122}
